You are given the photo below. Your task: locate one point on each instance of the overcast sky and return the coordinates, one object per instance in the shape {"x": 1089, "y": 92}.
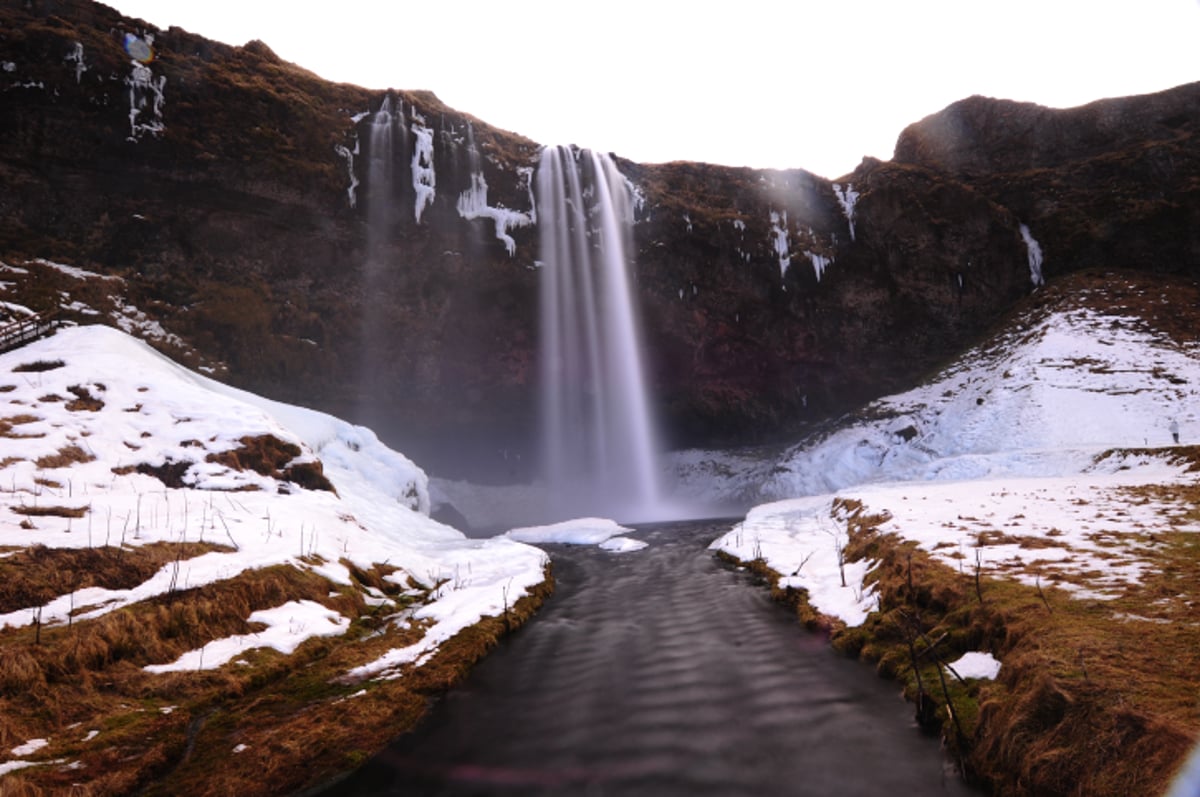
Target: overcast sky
{"x": 782, "y": 84}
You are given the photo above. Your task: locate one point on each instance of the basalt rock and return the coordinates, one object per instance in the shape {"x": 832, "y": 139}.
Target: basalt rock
{"x": 229, "y": 188}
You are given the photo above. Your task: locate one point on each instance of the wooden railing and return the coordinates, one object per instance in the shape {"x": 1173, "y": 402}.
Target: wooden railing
{"x": 27, "y": 329}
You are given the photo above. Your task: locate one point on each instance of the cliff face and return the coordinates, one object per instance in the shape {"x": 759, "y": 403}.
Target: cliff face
{"x": 234, "y": 193}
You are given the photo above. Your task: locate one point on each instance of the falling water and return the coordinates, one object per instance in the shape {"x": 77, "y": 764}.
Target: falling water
{"x": 383, "y": 134}
{"x": 600, "y": 444}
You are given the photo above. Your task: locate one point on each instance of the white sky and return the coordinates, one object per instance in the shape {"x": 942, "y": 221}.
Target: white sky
{"x": 764, "y": 83}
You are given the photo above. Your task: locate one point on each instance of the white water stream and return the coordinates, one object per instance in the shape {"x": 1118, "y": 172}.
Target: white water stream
{"x": 600, "y": 445}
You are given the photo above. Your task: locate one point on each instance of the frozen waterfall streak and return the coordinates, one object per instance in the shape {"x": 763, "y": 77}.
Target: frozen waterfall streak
{"x": 600, "y": 444}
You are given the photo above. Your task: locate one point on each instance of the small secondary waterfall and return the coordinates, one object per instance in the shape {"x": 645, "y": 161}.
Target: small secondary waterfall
{"x": 600, "y": 446}
{"x": 384, "y": 135}
{"x": 386, "y": 131}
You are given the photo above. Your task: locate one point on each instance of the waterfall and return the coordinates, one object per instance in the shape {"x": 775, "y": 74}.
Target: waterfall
{"x": 600, "y": 447}
{"x": 384, "y": 136}
{"x": 386, "y": 129}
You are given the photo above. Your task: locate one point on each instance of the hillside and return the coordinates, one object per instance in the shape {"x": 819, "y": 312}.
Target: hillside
{"x": 189, "y": 571}
{"x": 1028, "y": 508}
{"x": 232, "y": 192}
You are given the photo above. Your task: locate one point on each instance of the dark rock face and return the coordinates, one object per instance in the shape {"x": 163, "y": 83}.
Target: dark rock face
{"x": 229, "y": 188}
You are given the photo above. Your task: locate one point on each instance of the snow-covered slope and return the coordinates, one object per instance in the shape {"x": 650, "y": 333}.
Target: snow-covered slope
{"x": 1041, "y": 401}
{"x": 1033, "y": 458}
{"x": 105, "y": 442}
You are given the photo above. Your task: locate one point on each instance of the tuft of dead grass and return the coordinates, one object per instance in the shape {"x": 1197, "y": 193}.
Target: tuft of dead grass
{"x": 38, "y": 366}
{"x": 50, "y": 511}
{"x": 7, "y": 424}
{"x": 64, "y": 458}
{"x": 267, "y": 455}
{"x": 37, "y": 574}
{"x": 84, "y": 401}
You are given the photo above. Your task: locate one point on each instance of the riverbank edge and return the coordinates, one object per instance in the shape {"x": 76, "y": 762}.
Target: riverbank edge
{"x": 1035, "y": 730}
{"x": 268, "y": 742}
{"x": 352, "y": 743}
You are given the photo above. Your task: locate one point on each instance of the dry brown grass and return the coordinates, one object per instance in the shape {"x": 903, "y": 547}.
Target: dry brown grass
{"x": 50, "y": 511}
{"x": 1094, "y": 697}
{"x": 64, "y": 458}
{"x": 7, "y": 424}
{"x": 267, "y": 455}
{"x": 84, "y": 401}
{"x": 38, "y": 366}
{"x": 37, "y": 574}
{"x": 301, "y": 720}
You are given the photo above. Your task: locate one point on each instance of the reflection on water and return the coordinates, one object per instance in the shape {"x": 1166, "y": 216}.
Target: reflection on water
{"x": 664, "y": 673}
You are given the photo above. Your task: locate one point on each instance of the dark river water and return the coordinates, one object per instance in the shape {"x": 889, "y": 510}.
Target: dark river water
{"x": 662, "y": 672}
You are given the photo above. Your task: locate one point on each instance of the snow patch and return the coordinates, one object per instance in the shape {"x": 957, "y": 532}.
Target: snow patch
{"x": 976, "y": 665}
{"x": 803, "y": 540}
{"x": 288, "y": 626}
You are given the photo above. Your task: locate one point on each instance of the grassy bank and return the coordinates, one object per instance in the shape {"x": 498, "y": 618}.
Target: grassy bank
{"x": 264, "y": 724}
{"x": 1095, "y": 696}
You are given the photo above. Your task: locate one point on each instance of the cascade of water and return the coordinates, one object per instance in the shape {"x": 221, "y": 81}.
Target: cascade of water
{"x": 600, "y": 447}
{"x": 385, "y": 139}
{"x": 381, "y": 177}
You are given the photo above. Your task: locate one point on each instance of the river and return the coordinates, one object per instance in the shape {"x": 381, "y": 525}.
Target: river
{"x": 662, "y": 672}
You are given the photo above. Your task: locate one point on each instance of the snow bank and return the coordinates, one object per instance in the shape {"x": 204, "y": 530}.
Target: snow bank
{"x": 803, "y": 540}
{"x": 1039, "y": 403}
{"x": 581, "y": 531}
{"x": 147, "y": 413}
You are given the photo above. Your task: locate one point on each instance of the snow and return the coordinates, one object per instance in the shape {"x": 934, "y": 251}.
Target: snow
{"x": 802, "y": 540}
{"x": 13, "y": 766}
{"x": 580, "y": 531}
{"x": 1028, "y": 459}
{"x": 287, "y": 627}
{"x": 976, "y": 665}
{"x": 155, "y": 411}
{"x": 70, "y": 271}
{"x": 30, "y": 747}
{"x": 622, "y": 545}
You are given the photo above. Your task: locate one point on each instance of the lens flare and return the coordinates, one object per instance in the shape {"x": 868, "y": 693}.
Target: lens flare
{"x": 138, "y": 48}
